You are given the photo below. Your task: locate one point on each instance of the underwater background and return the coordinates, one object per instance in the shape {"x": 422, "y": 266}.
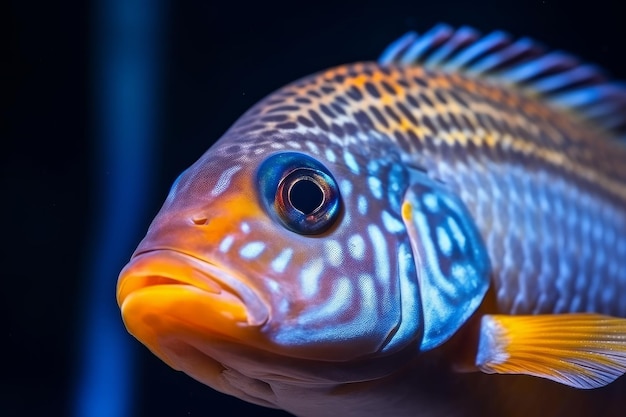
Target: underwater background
{"x": 104, "y": 103}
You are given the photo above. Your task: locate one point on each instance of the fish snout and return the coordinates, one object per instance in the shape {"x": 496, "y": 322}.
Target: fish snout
{"x": 163, "y": 289}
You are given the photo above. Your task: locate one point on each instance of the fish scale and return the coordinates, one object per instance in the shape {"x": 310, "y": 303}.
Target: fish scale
{"x": 567, "y": 151}
{"x": 456, "y": 205}
{"x": 507, "y": 123}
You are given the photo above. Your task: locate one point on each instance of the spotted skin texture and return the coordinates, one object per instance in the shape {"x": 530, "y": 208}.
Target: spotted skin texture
{"x": 333, "y": 322}
{"x": 547, "y": 190}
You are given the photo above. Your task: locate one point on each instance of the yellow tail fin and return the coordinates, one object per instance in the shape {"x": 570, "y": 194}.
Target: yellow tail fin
{"x": 580, "y": 350}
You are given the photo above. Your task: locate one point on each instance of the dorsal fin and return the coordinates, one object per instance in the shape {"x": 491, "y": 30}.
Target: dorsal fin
{"x": 560, "y": 78}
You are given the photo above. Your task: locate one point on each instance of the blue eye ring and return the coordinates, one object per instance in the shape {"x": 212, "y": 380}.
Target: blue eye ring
{"x": 284, "y": 180}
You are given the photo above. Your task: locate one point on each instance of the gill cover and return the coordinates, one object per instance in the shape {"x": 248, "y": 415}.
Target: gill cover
{"x": 452, "y": 262}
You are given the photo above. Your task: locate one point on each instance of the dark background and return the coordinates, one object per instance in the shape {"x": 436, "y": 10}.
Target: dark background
{"x": 216, "y": 60}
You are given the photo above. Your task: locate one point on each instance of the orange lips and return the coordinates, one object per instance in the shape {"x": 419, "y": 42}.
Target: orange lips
{"x": 164, "y": 292}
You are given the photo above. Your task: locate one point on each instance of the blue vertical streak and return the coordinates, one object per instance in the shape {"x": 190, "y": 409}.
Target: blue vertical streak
{"x": 126, "y": 70}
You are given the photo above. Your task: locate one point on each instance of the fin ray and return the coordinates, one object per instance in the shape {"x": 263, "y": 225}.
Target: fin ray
{"x": 459, "y": 39}
{"x": 522, "y": 48}
{"x": 397, "y": 48}
{"x": 580, "y": 350}
{"x": 431, "y": 39}
{"x": 495, "y": 40}
{"x": 560, "y": 78}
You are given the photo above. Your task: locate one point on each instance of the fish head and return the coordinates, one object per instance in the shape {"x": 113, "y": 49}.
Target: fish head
{"x": 266, "y": 257}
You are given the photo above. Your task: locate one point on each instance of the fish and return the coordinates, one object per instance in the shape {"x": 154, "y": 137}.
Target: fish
{"x": 439, "y": 232}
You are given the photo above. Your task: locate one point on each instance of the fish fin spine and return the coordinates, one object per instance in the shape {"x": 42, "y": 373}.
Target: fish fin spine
{"x": 559, "y": 77}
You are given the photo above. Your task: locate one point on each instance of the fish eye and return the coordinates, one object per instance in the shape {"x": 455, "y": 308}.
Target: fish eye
{"x": 299, "y": 192}
{"x": 304, "y": 192}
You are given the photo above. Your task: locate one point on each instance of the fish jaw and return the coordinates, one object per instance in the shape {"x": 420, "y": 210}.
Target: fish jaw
{"x": 167, "y": 296}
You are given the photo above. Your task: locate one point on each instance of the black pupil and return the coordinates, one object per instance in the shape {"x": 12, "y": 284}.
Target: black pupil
{"x": 305, "y": 196}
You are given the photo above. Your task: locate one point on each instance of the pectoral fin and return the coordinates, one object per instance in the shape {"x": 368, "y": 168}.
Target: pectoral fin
{"x": 580, "y": 350}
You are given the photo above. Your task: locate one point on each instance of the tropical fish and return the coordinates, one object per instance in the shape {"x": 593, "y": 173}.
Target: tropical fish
{"x": 380, "y": 237}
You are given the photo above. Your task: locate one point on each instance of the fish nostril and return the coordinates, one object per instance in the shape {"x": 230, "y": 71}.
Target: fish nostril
{"x": 199, "y": 220}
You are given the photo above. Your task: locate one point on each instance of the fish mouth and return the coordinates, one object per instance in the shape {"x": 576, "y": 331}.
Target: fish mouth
{"x": 169, "y": 273}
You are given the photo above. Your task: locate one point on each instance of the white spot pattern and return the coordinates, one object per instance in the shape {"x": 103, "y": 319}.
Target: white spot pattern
{"x": 356, "y": 247}
{"x": 226, "y": 244}
{"x": 392, "y": 225}
{"x": 362, "y": 205}
{"x": 381, "y": 257}
{"x": 252, "y": 250}
{"x": 346, "y": 187}
{"x": 312, "y": 147}
{"x": 430, "y": 201}
{"x": 282, "y": 260}
{"x": 376, "y": 187}
{"x": 309, "y": 277}
{"x": 443, "y": 241}
{"x": 351, "y": 162}
{"x": 224, "y": 180}
{"x": 334, "y": 252}
{"x": 337, "y": 302}
{"x": 330, "y": 155}
{"x": 457, "y": 233}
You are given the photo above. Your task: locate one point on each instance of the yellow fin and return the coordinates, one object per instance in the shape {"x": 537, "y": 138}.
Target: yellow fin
{"x": 580, "y": 350}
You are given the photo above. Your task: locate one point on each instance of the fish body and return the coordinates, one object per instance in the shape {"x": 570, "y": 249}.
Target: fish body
{"x": 361, "y": 232}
